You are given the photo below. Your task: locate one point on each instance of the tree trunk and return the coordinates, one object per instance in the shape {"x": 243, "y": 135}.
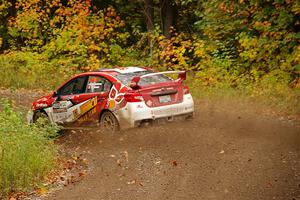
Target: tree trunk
{"x": 12, "y": 10}
{"x": 167, "y": 13}
{"x": 149, "y": 14}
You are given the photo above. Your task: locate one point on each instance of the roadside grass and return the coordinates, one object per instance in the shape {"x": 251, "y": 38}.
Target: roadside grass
{"x": 27, "y": 154}
{"x": 276, "y": 96}
{"x": 32, "y": 70}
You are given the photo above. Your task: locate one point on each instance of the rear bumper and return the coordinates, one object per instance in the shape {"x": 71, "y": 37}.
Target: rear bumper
{"x": 134, "y": 113}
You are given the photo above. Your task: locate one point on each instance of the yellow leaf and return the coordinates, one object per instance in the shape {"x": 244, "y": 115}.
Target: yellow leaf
{"x": 42, "y": 191}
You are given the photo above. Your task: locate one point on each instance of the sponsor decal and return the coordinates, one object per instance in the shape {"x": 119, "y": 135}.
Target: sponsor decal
{"x": 41, "y": 105}
{"x": 116, "y": 97}
{"x": 61, "y": 106}
{"x": 59, "y": 117}
{"x": 149, "y": 103}
{"x": 87, "y": 115}
{"x": 139, "y": 106}
{"x": 64, "y": 111}
{"x": 59, "y": 110}
{"x": 88, "y": 105}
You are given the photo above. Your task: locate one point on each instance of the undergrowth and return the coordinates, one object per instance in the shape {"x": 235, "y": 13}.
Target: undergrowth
{"x": 271, "y": 91}
{"x": 27, "y": 154}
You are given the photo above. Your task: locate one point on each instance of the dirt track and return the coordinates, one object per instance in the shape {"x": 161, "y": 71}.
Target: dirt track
{"x": 228, "y": 151}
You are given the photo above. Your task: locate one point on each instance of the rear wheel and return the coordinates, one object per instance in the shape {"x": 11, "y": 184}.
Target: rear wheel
{"x": 189, "y": 116}
{"x": 109, "y": 122}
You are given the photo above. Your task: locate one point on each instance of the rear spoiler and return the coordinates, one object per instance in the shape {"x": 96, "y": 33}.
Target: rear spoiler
{"x": 135, "y": 80}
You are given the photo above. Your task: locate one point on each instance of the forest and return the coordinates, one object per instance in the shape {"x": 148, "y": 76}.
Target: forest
{"x": 225, "y": 44}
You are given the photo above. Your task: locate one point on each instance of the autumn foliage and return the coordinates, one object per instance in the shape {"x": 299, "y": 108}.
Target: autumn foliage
{"x": 236, "y": 44}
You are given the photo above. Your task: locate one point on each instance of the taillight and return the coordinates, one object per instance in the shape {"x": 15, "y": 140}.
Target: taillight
{"x": 133, "y": 97}
{"x": 186, "y": 90}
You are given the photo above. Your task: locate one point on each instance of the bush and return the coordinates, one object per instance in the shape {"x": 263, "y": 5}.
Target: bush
{"x": 272, "y": 89}
{"x": 33, "y": 70}
{"x": 26, "y": 153}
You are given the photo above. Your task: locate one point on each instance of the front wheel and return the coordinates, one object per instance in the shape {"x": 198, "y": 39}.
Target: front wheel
{"x": 109, "y": 122}
{"x": 41, "y": 117}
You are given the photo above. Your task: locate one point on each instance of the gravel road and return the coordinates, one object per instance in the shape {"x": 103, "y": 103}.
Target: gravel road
{"x": 223, "y": 153}
{"x": 228, "y": 151}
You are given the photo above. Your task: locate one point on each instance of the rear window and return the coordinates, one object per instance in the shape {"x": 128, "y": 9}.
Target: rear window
{"x": 126, "y": 78}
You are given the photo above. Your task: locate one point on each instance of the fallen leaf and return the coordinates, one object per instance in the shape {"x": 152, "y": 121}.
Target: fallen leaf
{"x": 42, "y": 191}
{"x": 126, "y": 155}
{"x": 82, "y": 173}
{"x": 85, "y": 161}
{"x": 131, "y": 182}
{"x": 74, "y": 157}
{"x": 119, "y": 162}
{"x": 269, "y": 185}
{"x": 174, "y": 163}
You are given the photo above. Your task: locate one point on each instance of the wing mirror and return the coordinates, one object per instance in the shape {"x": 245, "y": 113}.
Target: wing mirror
{"x": 55, "y": 94}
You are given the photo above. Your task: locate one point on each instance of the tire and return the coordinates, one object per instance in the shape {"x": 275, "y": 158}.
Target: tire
{"x": 108, "y": 122}
{"x": 41, "y": 115}
{"x": 190, "y": 117}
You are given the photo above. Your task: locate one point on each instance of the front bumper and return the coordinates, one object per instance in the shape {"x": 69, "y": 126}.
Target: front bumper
{"x": 134, "y": 113}
{"x": 29, "y": 117}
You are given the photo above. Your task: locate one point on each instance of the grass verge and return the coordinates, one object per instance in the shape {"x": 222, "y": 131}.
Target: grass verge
{"x": 276, "y": 96}
{"x": 27, "y": 154}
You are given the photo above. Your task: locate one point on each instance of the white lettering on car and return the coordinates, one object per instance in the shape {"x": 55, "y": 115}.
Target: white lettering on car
{"x": 41, "y": 105}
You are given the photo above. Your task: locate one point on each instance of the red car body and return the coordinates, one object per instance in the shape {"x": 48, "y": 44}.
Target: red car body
{"x": 120, "y": 97}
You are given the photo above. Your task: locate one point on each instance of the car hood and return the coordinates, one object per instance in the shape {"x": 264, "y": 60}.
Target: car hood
{"x": 43, "y": 102}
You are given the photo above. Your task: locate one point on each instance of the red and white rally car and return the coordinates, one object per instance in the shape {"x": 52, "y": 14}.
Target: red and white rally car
{"x": 116, "y": 98}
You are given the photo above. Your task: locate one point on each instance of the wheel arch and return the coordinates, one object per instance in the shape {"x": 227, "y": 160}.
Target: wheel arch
{"x": 35, "y": 112}
{"x": 107, "y": 110}
{"x": 117, "y": 126}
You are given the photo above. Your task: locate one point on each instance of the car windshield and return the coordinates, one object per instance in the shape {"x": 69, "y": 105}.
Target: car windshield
{"x": 150, "y": 80}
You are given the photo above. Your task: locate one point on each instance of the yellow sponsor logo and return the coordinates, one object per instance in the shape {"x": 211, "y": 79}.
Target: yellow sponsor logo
{"x": 88, "y": 105}
{"x": 112, "y": 104}
{"x": 87, "y": 115}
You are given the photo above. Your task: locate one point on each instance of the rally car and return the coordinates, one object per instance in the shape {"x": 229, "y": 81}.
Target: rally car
{"x": 116, "y": 98}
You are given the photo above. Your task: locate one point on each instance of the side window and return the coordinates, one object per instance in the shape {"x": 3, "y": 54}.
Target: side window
{"x": 97, "y": 84}
{"x": 75, "y": 86}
